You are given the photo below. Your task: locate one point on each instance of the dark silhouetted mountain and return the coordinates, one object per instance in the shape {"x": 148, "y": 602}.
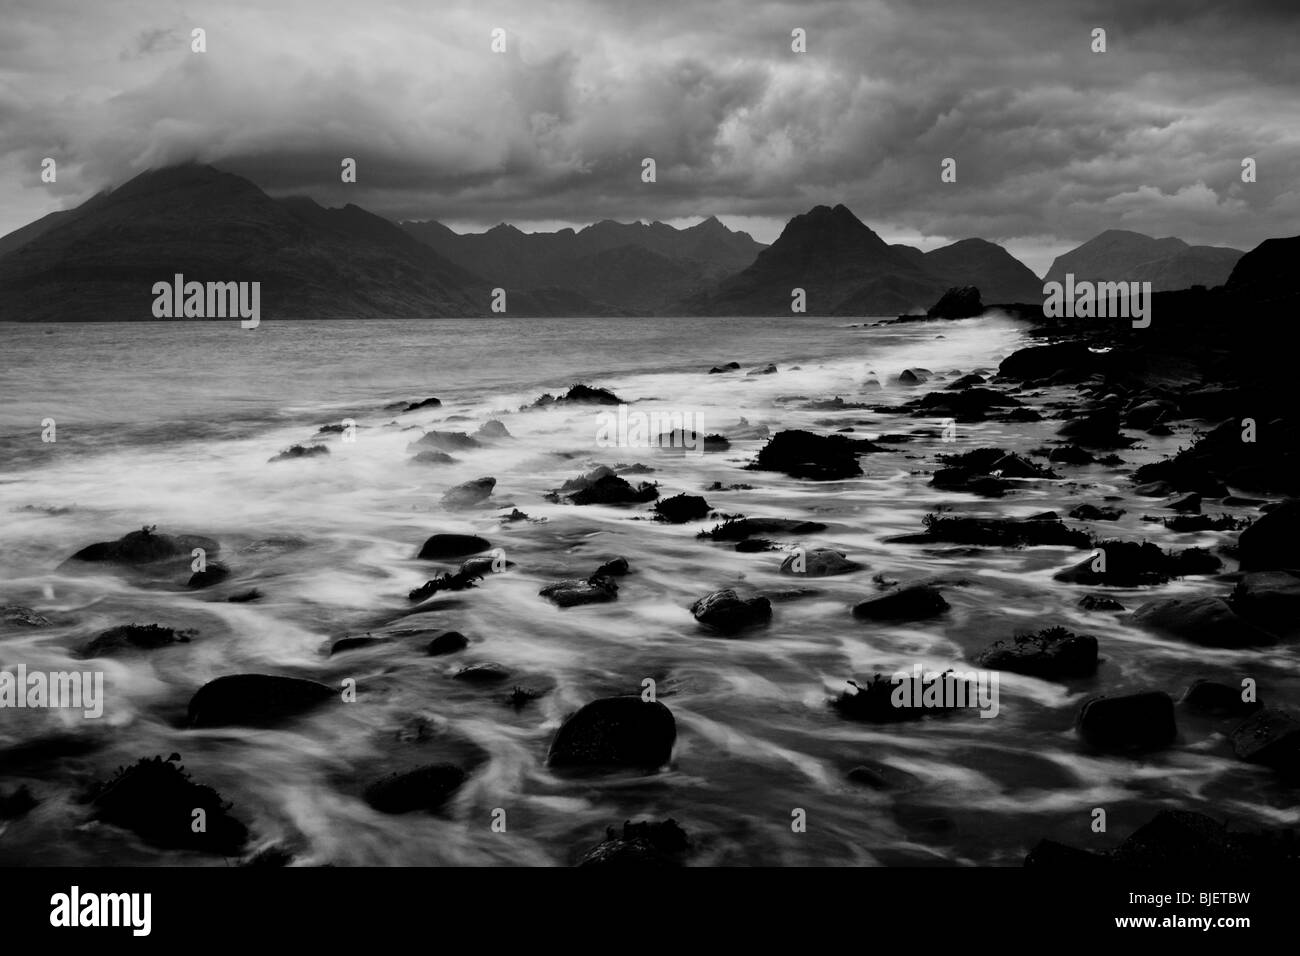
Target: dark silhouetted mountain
{"x": 1267, "y": 272}
{"x": 846, "y": 269}
{"x": 100, "y": 261}
{"x": 636, "y": 267}
{"x": 999, "y": 275}
{"x": 1117, "y": 255}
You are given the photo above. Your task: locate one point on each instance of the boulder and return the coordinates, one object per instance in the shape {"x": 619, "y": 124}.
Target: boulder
{"x": 682, "y": 508}
{"x": 1272, "y": 542}
{"x": 1052, "y": 654}
{"x": 727, "y": 613}
{"x": 803, "y": 454}
{"x": 255, "y": 700}
{"x": 1206, "y": 621}
{"x": 470, "y": 493}
{"x": 448, "y": 642}
{"x": 1271, "y": 738}
{"x": 818, "y": 563}
{"x": 596, "y": 589}
{"x": 616, "y": 732}
{"x": 1215, "y": 699}
{"x": 145, "y": 547}
{"x": 1133, "y": 722}
{"x": 1044, "y": 361}
{"x": 914, "y": 603}
{"x": 426, "y": 788}
{"x": 135, "y": 637}
{"x": 1270, "y": 599}
{"x": 441, "y": 547}
{"x": 640, "y": 844}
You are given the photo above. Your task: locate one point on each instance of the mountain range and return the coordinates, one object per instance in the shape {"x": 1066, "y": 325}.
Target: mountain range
{"x": 100, "y": 260}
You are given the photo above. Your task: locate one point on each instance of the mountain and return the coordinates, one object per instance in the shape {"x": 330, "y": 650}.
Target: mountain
{"x": 635, "y": 267}
{"x": 999, "y": 275}
{"x": 101, "y": 261}
{"x": 1117, "y": 255}
{"x": 846, "y": 269}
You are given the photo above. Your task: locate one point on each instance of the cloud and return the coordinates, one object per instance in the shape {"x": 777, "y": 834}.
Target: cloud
{"x": 1053, "y": 142}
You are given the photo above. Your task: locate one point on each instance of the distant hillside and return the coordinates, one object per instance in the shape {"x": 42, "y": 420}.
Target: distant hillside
{"x": 1168, "y": 264}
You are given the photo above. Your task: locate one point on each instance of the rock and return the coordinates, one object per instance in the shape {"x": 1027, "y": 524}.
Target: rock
{"x": 802, "y": 454}
{"x": 128, "y": 637}
{"x": 355, "y": 644}
{"x": 1187, "y": 504}
{"x": 1087, "y": 512}
{"x": 738, "y": 529}
{"x": 616, "y": 732}
{"x": 1270, "y": 599}
{"x": 964, "y": 479}
{"x": 1271, "y": 738}
{"x": 1043, "y": 361}
{"x": 214, "y": 573}
{"x": 818, "y": 563}
{"x": 254, "y": 700}
{"x": 586, "y": 395}
{"x": 729, "y": 367}
{"x": 448, "y": 642}
{"x": 1207, "y": 621}
{"x": 1133, "y": 722}
{"x": 425, "y": 788}
{"x": 615, "y": 568}
{"x": 1099, "y": 602}
{"x": 1013, "y": 466}
{"x": 469, "y": 493}
{"x": 146, "y": 547}
{"x": 12, "y": 615}
{"x": 614, "y": 490}
{"x": 446, "y": 581}
{"x": 155, "y": 799}
{"x": 484, "y": 672}
{"x": 1147, "y": 414}
{"x": 1071, "y": 455}
{"x": 727, "y": 613}
{"x": 492, "y": 430}
{"x": 445, "y": 546}
{"x": 433, "y": 458}
{"x": 426, "y": 403}
{"x": 1215, "y": 699}
{"x": 999, "y": 532}
{"x": 768, "y": 369}
{"x": 1052, "y": 654}
{"x": 575, "y": 591}
{"x": 641, "y": 844}
{"x": 957, "y": 303}
{"x": 966, "y": 381}
{"x": 914, "y": 603}
{"x": 682, "y": 508}
{"x": 1133, "y": 564}
{"x": 908, "y": 378}
{"x": 882, "y": 700}
{"x": 446, "y": 441}
{"x": 1096, "y": 429}
{"x": 300, "y": 451}
{"x": 1272, "y": 542}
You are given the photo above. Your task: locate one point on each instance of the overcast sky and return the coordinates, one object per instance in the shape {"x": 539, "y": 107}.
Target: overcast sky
{"x": 1053, "y": 142}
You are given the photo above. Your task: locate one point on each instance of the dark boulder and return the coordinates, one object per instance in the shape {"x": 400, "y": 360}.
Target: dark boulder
{"x": 1207, "y": 621}
{"x": 640, "y": 844}
{"x": 738, "y": 529}
{"x": 470, "y": 493}
{"x": 254, "y": 700}
{"x": 1218, "y": 700}
{"x": 300, "y": 451}
{"x": 803, "y": 454}
{"x": 445, "y": 546}
{"x": 1044, "y": 361}
{"x": 1052, "y": 654}
{"x": 1133, "y": 722}
{"x": 425, "y": 788}
{"x": 1273, "y": 541}
{"x": 214, "y": 573}
{"x": 135, "y": 637}
{"x": 596, "y": 589}
{"x": 682, "y": 508}
{"x": 818, "y": 563}
{"x": 1271, "y": 738}
{"x": 145, "y": 547}
{"x": 914, "y": 603}
{"x": 616, "y": 732}
{"x": 727, "y": 613}
{"x": 447, "y": 643}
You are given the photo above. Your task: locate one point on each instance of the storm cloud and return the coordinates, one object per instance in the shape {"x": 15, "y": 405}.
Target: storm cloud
{"x": 1053, "y": 142}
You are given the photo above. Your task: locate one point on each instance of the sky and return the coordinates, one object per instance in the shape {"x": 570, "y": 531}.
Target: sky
{"x": 1053, "y": 142}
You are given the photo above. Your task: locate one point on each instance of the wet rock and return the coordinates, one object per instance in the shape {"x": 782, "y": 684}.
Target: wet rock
{"x": 616, "y": 732}
{"x": 1072, "y": 359}
{"x": 1096, "y": 429}
{"x": 1270, "y": 737}
{"x": 738, "y": 529}
{"x": 484, "y": 672}
{"x": 884, "y": 700}
{"x": 470, "y": 493}
{"x": 997, "y": 532}
{"x": 214, "y": 573}
{"x": 156, "y": 799}
{"x": 1087, "y": 512}
{"x": 586, "y": 395}
{"x": 445, "y": 441}
{"x": 1052, "y": 654}
{"x": 441, "y": 547}
{"x": 1188, "y": 524}
{"x": 1187, "y": 504}
{"x": 145, "y": 547}
{"x": 135, "y": 637}
{"x": 426, "y": 403}
{"x": 957, "y": 303}
{"x": 1270, "y": 599}
{"x": 15, "y": 615}
{"x": 346, "y": 644}
{"x": 1132, "y": 722}
{"x": 1013, "y": 466}
{"x": 802, "y": 454}
{"x": 300, "y": 451}
{"x": 724, "y": 611}
{"x": 1099, "y": 602}
{"x": 1272, "y": 542}
{"x": 614, "y": 568}
{"x": 1071, "y": 455}
{"x": 968, "y": 405}
{"x": 1147, "y": 414}
{"x": 729, "y": 367}
{"x": 964, "y": 479}
{"x": 966, "y": 381}
{"x": 433, "y": 458}
{"x": 914, "y": 603}
{"x": 908, "y": 378}
{"x": 1207, "y": 621}
{"x": 647, "y": 843}
{"x": 255, "y": 700}
{"x": 596, "y": 589}
{"x": 1133, "y": 564}
{"x": 493, "y": 430}
{"x": 611, "y": 489}
{"x": 17, "y": 804}
{"x": 768, "y": 369}
{"x": 682, "y": 508}
{"x": 447, "y": 643}
{"x": 1218, "y": 700}
{"x": 425, "y": 788}
{"x": 818, "y": 563}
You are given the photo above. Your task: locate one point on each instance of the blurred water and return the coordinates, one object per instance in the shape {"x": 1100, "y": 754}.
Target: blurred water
{"x": 173, "y": 423}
